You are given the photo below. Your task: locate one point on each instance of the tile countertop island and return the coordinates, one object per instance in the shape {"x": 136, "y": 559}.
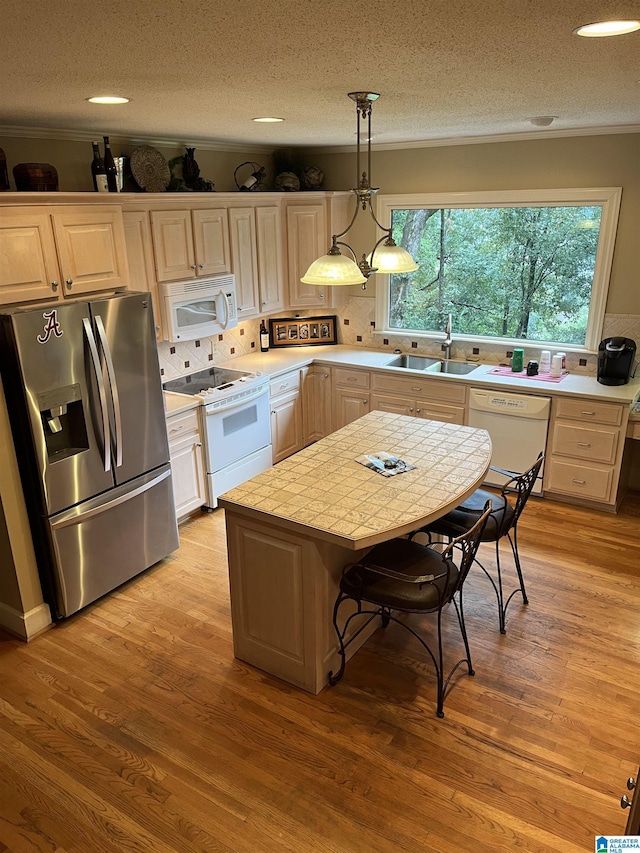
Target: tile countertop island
{"x": 278, "y": 361}
{"x": 292, "y": 529}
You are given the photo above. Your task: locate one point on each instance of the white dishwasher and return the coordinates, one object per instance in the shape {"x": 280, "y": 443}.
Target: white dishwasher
{"x": 517, "y": 424}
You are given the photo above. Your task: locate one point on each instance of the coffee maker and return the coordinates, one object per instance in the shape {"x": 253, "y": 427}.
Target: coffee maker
{"x": 615, "y": 360}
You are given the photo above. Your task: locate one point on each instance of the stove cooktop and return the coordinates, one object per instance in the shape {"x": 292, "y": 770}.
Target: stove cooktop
{"x": 214, "y": 383}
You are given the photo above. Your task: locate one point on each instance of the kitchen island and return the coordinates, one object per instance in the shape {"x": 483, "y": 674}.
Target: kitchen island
{"x": 292, "y": 529}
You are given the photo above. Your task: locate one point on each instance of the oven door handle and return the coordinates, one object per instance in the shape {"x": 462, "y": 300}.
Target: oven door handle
{"x": 234, "y": 404}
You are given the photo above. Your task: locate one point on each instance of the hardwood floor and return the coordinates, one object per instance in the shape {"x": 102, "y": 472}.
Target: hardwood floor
{"x": 131, "y": 727}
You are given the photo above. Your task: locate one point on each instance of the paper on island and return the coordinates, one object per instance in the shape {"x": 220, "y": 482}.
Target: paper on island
{"x": 384, "y": 463}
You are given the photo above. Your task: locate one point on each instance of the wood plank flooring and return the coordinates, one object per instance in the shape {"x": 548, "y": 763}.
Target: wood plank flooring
{"x": 131, "y": 727}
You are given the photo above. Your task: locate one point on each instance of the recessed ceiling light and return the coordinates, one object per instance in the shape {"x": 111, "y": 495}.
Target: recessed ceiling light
{"x": 108, "y": 99}
{"x": 542, "y": 121}
{"x": 267, "y": 119}
{"x": 607, "y": 28}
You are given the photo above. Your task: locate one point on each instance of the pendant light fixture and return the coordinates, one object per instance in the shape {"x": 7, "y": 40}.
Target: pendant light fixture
{"x": 336, "y": 269}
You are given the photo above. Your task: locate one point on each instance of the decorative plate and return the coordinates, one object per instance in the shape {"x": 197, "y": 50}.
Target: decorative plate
{"x": 150, "y": 169}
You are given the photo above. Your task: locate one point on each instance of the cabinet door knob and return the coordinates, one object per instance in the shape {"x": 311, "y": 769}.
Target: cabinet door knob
{"x": 418, "y": 411}
{"x": 410, "y": 408}
{"x": 321, "y": 296}
{"x": 193, "y": 266}
{"x": 625, "y": 802}
{"x": 364, "y": 402}
{"x": 201, "y": 266}
{"x": 325, "y": 376}
{"x": 631, "y": 783}
{"x": 198, "y": 444}
{"x": 54, "y": 285}
{"x": 68, "y": 282}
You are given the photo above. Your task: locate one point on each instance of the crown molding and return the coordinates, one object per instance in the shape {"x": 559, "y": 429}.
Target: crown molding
{"x": 533, "y": 135}
{"x": 139, "y": 139}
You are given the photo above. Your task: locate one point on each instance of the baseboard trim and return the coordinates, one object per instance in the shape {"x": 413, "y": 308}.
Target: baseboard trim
{"x": 25, "y": 626}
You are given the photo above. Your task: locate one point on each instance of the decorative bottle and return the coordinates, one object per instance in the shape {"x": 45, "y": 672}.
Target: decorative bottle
{"x": 98, "y": 171}
{"x": 110, "y": 167}
{"x": 264, "y": 337}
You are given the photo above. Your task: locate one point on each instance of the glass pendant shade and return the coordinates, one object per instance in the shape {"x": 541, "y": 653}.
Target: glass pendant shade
{"x": 392, "y": 259}
{"x": 333, "y": 270}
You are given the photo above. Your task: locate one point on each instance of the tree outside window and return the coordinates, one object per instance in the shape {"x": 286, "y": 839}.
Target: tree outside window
{"x": 512, "y": 271}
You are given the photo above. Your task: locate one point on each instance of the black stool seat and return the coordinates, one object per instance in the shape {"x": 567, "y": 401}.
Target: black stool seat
{"x": 371, "y": 582}
{"x": 464, "y": 516}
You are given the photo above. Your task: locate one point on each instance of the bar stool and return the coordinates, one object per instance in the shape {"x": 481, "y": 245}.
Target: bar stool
{"x": 405, "y": 576}
{"x": 503, "y": 521}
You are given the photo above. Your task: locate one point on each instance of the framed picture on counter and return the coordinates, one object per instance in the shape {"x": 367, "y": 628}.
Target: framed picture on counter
{"x": 302, "y": 331}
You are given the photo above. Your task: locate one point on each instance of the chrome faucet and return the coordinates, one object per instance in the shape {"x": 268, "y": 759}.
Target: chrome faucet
{"x": 446, "y": 345}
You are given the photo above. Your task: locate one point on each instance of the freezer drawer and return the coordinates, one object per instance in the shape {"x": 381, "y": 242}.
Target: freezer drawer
{"x": 104, "y": 542}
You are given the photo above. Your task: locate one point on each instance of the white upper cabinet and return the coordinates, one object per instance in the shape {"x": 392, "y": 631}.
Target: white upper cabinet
{"x": 244, "y": 260}
{"x": 270, "y": 267}
{"x": 306, "y": 241}
{"x": 211, "y": 238}
{"x": 188, "y": 243}
{"x": 68, "y": 251}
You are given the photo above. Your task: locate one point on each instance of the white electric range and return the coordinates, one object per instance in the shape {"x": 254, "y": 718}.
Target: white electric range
{"x": 235, "y": 424}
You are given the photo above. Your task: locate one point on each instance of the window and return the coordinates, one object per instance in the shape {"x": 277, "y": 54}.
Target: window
{"x": 509, "y": 266}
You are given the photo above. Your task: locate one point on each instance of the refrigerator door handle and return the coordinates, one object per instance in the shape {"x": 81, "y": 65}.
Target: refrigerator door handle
{"x": 95, "y": 358}
{"x": 75, "y": 517}
{"x": 111, "y": 373}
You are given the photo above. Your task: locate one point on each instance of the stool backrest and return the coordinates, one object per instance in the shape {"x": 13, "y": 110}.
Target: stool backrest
{"x": 468, "y": 544}
{"x": 521, "y": 486}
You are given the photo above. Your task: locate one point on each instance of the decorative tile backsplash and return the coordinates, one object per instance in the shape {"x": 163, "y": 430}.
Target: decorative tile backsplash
{"x": 356, "y": 327}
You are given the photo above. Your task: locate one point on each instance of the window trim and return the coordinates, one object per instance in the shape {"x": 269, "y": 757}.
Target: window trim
{"x": 608, "y": 197}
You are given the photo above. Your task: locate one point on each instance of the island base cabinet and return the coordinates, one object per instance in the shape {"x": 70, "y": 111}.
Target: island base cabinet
{"x": 283, "y": 589}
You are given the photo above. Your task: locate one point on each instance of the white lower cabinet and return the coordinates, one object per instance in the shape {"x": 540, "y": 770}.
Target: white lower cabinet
{"x": 584, "y": 451}
{"x": 316, "y": 403}
{"x": 286, "y": 415}
{"x": 351, "y": 397}
{"x": 187, "y": 462}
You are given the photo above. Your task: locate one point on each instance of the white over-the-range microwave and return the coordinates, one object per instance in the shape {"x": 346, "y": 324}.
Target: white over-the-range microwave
{"x": 198, "y": 308}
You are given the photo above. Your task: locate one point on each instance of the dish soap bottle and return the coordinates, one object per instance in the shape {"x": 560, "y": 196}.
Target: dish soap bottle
{"x": 264, "y": 337}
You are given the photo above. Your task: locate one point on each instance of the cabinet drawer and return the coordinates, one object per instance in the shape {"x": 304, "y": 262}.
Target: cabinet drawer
{"x": 284, "y": 384}
{"x": 412, "y": 386}
{"x": 582, "y": 480}
{"x": 589, "y": 411}
{"x": 434, "y": 412}
{"x": 180, "y": 426}
{"x": 352, "y": 378}
{"x": 599, "y": 445}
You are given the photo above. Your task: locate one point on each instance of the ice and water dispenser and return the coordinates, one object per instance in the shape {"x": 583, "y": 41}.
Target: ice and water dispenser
{"x": 63, "y": 422}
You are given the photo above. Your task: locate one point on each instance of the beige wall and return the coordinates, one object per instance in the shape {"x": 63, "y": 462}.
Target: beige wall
{"x": 589, "y": 161}
{"x": 72, "y": 160}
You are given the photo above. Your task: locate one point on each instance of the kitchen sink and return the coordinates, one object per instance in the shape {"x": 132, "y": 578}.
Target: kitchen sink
{"x": 456, "y": 368}
{"x": 413, "y": 362}
{"x": 432, "y": 365}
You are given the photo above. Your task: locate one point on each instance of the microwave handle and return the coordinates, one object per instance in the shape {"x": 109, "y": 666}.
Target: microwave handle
{"x": 227, "y": 309}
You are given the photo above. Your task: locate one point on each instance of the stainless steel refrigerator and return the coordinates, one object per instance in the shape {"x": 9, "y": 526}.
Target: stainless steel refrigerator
{"x": 84, "y": 397}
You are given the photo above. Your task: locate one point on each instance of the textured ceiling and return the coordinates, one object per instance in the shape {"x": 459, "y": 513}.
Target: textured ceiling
{"x": 198, "y": 71}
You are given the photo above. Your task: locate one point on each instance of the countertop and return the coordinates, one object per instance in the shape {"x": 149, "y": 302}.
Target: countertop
{"x": 324, "y": 492}
{"x": 278, "y": 361}
{"x": 174, "y": 404}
